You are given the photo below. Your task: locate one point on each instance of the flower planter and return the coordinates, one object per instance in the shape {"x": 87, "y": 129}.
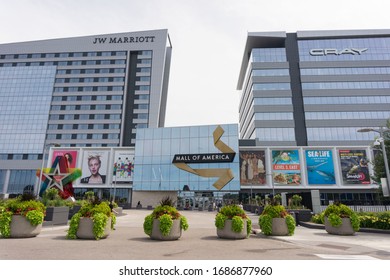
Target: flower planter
{"x": 85, "y": 229}
{"x": 228, "y": 233}
{"x": 22, "y": 228}
{"x": 344, "y": 229}
{"x": 174, "y": 234}
{"x": 279, "y": 226}
{"x": 57, "y": 215}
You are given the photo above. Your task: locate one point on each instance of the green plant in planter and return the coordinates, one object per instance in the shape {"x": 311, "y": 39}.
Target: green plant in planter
{"x": 24, "y": 205}
{"x": 275, "y": 210}
{"x": 336, "y": 211}
{"x": 165, "y": 213}
{"x": 52, "y": 198}
{"x": 98, "y": 211}
{"x": 237, "y": 215}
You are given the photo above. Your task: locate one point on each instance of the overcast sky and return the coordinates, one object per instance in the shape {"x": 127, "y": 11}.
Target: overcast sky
{"x": 208, "y": 37}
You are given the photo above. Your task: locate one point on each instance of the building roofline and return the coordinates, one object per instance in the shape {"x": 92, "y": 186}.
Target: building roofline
{"x": 258, "y": 40}
{"x": 271, "y": 39}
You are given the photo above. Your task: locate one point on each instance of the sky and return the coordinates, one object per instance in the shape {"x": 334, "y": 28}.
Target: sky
{"x": 208, "y": 37}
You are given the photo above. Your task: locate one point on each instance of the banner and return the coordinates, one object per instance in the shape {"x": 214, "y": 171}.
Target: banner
{"x": 286, "y": 169}
{"x": 354, "y": 167}
{"x": 252, "y": 168}
{"x": 70, "y": 156}
{"x": 320, "y": 168}
{"x": 123, "y": 170}
{"x": 94, "y": 169}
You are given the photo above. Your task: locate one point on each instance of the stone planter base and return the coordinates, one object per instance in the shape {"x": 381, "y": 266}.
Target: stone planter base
{"x": 344, "y": 229}
{"x": 85, "y": 230}
{"x": 279, "y": 226}
{"x": 173, "y": 235}
{"x": 228, "y": 233}
{"x": 21, "y": 227}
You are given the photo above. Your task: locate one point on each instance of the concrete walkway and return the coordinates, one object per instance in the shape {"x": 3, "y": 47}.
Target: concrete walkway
{"x": 200, "y": 242}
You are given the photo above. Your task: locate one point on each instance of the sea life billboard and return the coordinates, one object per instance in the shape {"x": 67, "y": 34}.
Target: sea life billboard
{"x": 286, "y": 169}
{"x": 354, "y": 167}
{"x": 320, "y": 168}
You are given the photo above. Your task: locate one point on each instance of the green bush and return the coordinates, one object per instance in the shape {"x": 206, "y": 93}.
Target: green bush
{"x": 165, "y": 213}
{"x": 25, "y": 205}
{"x": 237, "y": 215}
{"x": 378, "y": 220}
{"x": 336, "y": 211}
{"x": 99, "y": 212}
{"x": 275, "y": 211}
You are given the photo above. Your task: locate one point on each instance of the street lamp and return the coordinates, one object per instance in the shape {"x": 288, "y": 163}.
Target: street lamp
{"x": 382, "y": 143}
{"x": 43, "y": 161}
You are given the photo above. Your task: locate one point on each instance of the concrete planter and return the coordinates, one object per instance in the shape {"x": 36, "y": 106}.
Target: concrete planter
{"x": 22, "y": 228}
{"x": 73, "y": 211}
{"x": 174, "y": 234}
{"x": 228, "y": 233}
{"x": 344, "y": 229}
{"x": 279, "y": 227}
{"x": 85, "y": 230}
{"x": 57, "y": 215}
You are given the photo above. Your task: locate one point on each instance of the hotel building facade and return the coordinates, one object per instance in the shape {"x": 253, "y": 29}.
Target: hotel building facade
{"x": 92, "y": 91}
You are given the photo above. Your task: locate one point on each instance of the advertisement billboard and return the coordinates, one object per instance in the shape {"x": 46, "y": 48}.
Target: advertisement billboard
{"x": 94, "y": 168}
{"x": 70, "y": 156}
{"x": 354, "y": 167}
{"x": 252, "y": 168}
{"x": 286, "y": 169}
{"x": 320, "y": 168}
{"x": 123, "y": 170}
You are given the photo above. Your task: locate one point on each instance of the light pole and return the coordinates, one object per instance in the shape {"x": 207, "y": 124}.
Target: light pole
{"x": 382, "y": 142}
{"x": 43, "y": 161}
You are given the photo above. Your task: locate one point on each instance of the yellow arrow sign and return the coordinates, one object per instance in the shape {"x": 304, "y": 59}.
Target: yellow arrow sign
{"x": 225, "y": 174}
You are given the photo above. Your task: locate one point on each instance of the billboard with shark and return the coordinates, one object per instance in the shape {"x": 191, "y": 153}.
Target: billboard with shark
{"x": 320, "y": 168}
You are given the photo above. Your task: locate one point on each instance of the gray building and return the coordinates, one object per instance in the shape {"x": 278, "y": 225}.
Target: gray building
{"x": 314, "y": 88}
{"x": 92, "y": 91}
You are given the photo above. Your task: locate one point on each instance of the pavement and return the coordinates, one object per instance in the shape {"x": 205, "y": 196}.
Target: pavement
{"x": 199, "y": 242}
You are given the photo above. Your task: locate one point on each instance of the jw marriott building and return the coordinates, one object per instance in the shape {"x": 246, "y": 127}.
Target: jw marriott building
{"x": 92, "y": 91}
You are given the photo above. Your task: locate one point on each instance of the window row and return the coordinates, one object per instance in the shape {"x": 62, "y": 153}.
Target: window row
{"x": 346, "y": 85}
{"x": 83, "y": 126}
{"x": 347, "y": 100}
{"x": 55, "y": 55}
{"x": 274, "y": 116}
{"x": 346, "y": 71}
{"x": 268, "y": 55}
{"x": 275, "y": 134}
{"x": 90, "y": 71}
{"x": 80, "y": 89}
{"x": 67, "y": 136}
{"x": 86, "y": 117}
{"x": 272, "y": 101}
{"x": 347, "y": 115}
{"x": 86, "y": 107}
{"x": 66, "y": 63}
{"x": 90, "y": 80}
{"x": 87, "y": 98}
{"x": 270, "y": 72}
{"x": 338, "y": 134}
{"x": 271, "y": 86}
{"x": 19, "y": 157}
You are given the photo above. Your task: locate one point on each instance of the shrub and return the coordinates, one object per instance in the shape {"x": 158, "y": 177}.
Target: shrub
{"x": 336, "y": 211}
{"x": 237, "y": 215}
{"x": 275, "y": 211}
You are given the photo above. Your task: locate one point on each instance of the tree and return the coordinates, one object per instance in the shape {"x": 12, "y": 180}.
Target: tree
{"x": 378, "y": 162}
